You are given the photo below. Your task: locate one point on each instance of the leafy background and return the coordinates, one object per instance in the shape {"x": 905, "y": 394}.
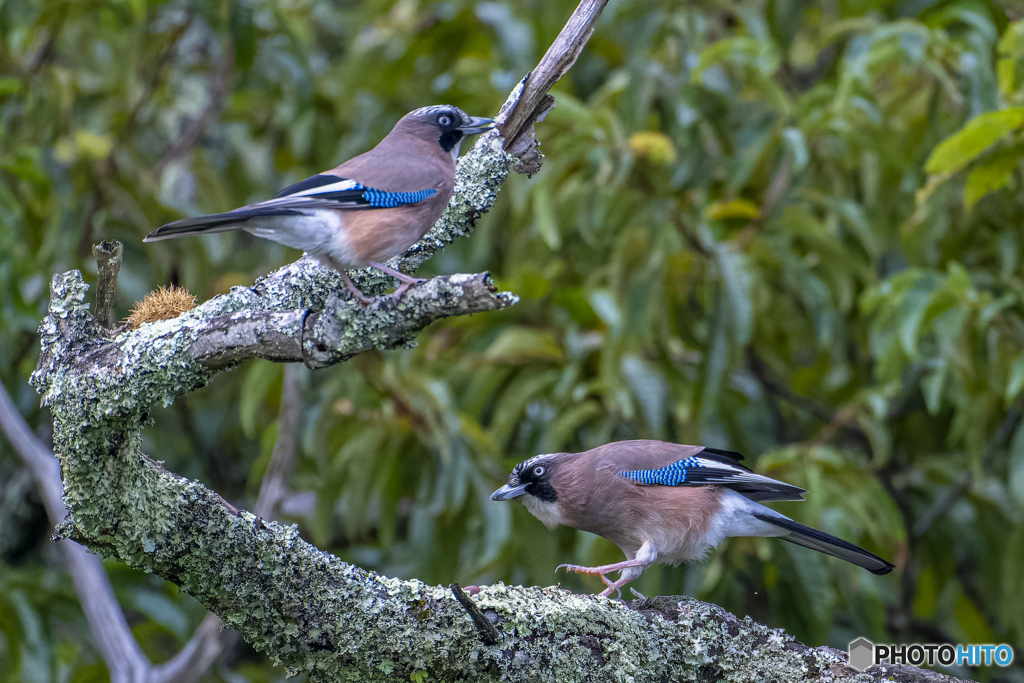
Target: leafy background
{"x": 786, "y": 227}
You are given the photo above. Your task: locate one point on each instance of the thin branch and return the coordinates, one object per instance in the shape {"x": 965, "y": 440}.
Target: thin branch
{"x": 220, "y": 83}
{"x": 764, "y": 375}
{"x": 37, "y": 458}
{"x": 936, "y": 510}
{"x": 195, "y": 659}
{"x": 778, "y": 186}
{"x": 689, "y": 235}
{"x": 121, "y": 652}
{"x": 275, "y": 481}
{"x": 535, "y": 101}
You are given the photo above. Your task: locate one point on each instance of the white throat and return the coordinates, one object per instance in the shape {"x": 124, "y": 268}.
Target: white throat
{"x": 455, "y": 151}
{"x": 547, "y": 513}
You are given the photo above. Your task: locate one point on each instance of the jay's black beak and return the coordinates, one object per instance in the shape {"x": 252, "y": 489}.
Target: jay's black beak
{"x": 507, "y": 492}
{"x": 477, "y": 124}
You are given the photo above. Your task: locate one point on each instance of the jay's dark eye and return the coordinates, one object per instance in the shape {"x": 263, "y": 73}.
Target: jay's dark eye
{"x": 538, "y": 471}
{"x": 444, "y": 120}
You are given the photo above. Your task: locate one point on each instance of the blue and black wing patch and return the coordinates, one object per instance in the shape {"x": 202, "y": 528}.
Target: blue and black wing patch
{"x": 381, "y": 199}
{"x": 712, "y": 467}
{"x": 679, "y": 473}
{"x": 350, "y": 193}
{"x": 317, "y": 192}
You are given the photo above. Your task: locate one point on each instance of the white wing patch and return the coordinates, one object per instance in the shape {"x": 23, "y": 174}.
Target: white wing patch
{"x": 340, "y": 186}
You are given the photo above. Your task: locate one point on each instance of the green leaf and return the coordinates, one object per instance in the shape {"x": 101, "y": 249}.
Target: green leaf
{"x": 735, "y": 208}
{"x": 560, "y": 432}
{"x": 523, "y": 344}
{"x": 759, "y": 54}
{"x": 978, "y": 135}
{"x": 544, "y": 217}
{"x": 738, "y": 283}
{"x": 1016, "y": 381}
{"x": 1011, "y": 52}
{"x": 649, "y": 387}
{"x": 258, "y": 379}
{"x": 797, "y": 146}
{"x": 931, "y": 386}
{"x": 992, "y": 174}
{"x": 243, "y": 34}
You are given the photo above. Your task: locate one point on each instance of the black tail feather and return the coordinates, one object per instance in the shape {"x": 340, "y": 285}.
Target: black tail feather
{"x": 767, "y": 490}
{"x": 217, "y": 222}
{"x": 828, "y": 544}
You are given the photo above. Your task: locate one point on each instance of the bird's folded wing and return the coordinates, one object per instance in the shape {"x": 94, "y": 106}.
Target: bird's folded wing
{"x": 315, "y": 193}
{"x": 350, "y": 193}
{"x": 699, "y": 470}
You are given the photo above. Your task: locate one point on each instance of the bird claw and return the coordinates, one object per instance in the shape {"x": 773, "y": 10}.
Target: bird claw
{"x": 404, "y": 287}
{"x": 356, "y": 294}
{"x": 607, "y": 569}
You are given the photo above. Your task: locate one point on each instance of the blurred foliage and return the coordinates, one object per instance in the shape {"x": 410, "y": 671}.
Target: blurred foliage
{"x": 789, "y": 228}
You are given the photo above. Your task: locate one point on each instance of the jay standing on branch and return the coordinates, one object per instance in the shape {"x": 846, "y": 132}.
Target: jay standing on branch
{"x": 367, "y": 210}
{"x": 663, "y": 502}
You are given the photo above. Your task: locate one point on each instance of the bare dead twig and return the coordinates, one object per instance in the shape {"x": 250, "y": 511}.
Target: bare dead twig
{"x": 488, "y": 632}
{"x": 535, "y": 102}
{"x": 108, "y": 255}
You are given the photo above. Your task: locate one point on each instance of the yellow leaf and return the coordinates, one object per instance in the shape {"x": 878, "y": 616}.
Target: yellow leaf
{"x": 651, "y": 144}
{"x": 734, "y": 208}
{"x": 93, "y": 146}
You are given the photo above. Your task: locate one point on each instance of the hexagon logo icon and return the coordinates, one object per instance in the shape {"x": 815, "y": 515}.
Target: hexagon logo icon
{"x": 861, "y": 654}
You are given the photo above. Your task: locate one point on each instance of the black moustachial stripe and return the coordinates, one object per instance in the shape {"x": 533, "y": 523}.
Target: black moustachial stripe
{"x": 449, "y": 139}
{"x": 544, "y": 490}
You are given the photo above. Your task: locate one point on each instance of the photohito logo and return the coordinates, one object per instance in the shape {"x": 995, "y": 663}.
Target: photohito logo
{"x": 863, "y": 653}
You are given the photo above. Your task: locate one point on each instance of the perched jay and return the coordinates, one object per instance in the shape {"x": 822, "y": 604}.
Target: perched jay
{"x": 368, "y": 209}
{"x": 663, "y": 502}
